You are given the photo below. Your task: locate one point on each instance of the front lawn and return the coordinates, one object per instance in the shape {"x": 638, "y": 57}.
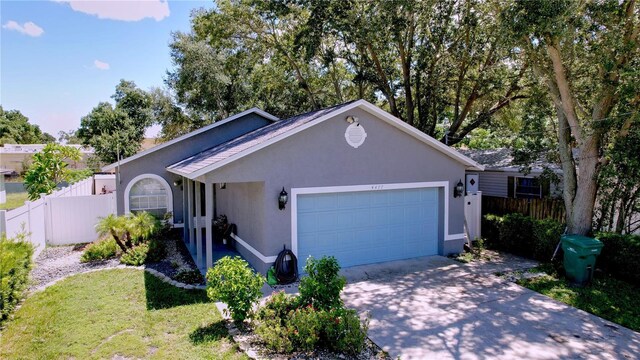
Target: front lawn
{"x": 14, "y": 200}
{"x": 611, "y": 299}
{"x": 124, "y": 313}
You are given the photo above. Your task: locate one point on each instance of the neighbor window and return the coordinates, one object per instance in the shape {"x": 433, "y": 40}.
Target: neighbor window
{"x": 527, "y": 188}
{"x": 149, "y": 195}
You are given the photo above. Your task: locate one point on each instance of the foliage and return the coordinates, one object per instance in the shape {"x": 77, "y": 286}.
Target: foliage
{"x": 75, "y": 175}
{"x": 136, "y": 256}
{"x": 157, "y": 250}
{"x": 49, "y": 168}
{"x": 129, "y": 230}
{"x": 522, "y": 235}
{"x": 128, "y": 313}
{"x": 286, "y": 322}
{"x": 193, "y": 277}
{"x": 606, "y": 297}
{"x": 620, "y": 256}
{"x": 586, "y": 54}
{"x": 69, "y": 137}
{"x": 15, "y": 264}
{"x": 429, "y": 64}
{"x": 322, "y": 286}
{"x": 16, "y": 129}
{"x": 120, "y": 128}
{"x": 233, "y": 282}
{"x": 103, "y": 249}
{"x": 14, "y": 200}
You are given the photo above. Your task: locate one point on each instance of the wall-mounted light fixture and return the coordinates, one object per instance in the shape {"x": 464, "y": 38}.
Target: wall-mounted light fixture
{"x": 178, "y": 183}
{"x": 459, "y": 189}
{"x": 282, "y": 199}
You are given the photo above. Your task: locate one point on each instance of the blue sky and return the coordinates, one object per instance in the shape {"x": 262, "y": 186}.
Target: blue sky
{"x": 59, "y": 59}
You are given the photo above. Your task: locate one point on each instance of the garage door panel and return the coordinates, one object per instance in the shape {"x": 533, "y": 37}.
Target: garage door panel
{"x": 369, "y": 226}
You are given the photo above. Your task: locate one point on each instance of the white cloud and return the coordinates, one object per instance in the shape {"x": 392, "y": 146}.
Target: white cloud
{"x": 101, "y": 65}
{"x": 27, "y": 28}
{"x": 124, "y": 10}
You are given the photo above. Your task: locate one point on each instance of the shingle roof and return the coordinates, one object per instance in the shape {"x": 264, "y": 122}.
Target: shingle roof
{"x": 502, "y": 159}
{"x": 226, "y": 150}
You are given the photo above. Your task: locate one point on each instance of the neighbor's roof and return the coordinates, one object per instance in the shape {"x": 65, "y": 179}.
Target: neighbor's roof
{"x": 262, "y": 113}
{"x": 502, "y": 159}
{"x": 237, "y": 148}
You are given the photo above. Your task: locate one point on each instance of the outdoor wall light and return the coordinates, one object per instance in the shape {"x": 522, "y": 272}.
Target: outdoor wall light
{"x": 459, "y": 189}
{"x": 178, "y": 183}
{"x": 282, "y": 199}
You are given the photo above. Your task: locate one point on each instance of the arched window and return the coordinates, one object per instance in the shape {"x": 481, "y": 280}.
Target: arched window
{"x": 150, "y": 193}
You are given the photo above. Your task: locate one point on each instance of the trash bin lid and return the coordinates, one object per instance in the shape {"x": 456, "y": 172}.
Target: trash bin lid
{"x": 582, "y": 241}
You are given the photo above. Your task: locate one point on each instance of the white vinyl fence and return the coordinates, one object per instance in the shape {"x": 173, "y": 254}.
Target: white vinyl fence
{"x": 67, "y": 216}
{"x": 473, "y": 214}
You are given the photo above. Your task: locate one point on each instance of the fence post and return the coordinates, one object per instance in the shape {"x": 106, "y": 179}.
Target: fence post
{"x": 28, "y": 203}
{"x": 48, "y": 231}
{"x": 3, "y": 222}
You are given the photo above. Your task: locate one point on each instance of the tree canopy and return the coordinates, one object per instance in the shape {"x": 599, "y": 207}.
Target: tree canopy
{"x": 49, "y": 168}
{"x": 16, "y": 129}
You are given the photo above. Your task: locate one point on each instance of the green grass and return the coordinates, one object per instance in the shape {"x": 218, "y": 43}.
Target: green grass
{"x": 609, "y": 298}
{"x": 124, "y": 312}
{"x": 14, "y": 200}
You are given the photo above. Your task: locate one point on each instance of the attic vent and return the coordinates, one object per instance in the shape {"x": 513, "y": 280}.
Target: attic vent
{"x": 355, "y": 135}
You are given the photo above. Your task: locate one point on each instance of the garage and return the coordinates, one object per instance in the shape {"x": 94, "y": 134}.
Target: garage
{"x": 367, "y": 226}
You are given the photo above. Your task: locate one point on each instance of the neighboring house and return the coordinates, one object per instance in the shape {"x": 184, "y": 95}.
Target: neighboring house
{"x": 16, "y": 157}
{"x": 360, "y": 185}
{"x": 502, "y": 178}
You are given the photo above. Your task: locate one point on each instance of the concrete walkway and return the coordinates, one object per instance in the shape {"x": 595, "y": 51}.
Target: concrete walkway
{"x": 435, "y": 308}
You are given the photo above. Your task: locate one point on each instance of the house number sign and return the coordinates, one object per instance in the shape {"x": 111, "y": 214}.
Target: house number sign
{"x": 355, "y": 135}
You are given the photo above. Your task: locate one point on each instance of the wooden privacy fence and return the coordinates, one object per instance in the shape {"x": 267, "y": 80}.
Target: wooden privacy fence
{"x": 539, "y": 209}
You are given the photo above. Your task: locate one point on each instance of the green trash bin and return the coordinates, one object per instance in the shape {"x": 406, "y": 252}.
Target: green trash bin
{"x": 580, "y": 253}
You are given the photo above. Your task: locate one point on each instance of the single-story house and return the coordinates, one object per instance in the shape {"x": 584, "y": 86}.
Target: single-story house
{"x": 503, "y": 178}
{"x": 350, "y": 181}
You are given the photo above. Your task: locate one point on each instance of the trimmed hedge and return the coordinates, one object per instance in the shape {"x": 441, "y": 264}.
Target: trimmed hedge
{"x": 620, "y": 256}
{"x": 15, "y": 264}
{"x": 537, "y": 239}
{"x": 522, "y": 235}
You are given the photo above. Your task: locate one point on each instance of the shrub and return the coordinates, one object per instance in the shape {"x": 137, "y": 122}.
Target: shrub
{"x": 233, "y": 282}
{"x": 103, "y": 249}
{"x": 136, "y": 256}
{"x": 344, "y": 332}
{"x": 620, "y": 256}
{"x": 157, "y": 251}
{"x": 275, "y": 335}
{"x": 15, "y": 264}
{"x": 189, "y": 277}
{"x": 304, "y": 328}
{"x": 546, "y": 235}
{"x": 322, "y": 286}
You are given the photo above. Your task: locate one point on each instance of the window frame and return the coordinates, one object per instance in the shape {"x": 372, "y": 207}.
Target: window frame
{"x": 165, "y": 184}
{"x": 521, "y": 195}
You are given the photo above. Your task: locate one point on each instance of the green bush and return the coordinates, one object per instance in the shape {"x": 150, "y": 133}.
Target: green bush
{"x": 343, "y": 331}
{"x": 620, "y": 256}
{"x": 136, "y": 256}
{"x": 288, "y": 322}
{"x": 157, "y": 251}
{"x": 522, "y": 235}
{"x": 233, "y": 282}
{"x": 15, "y": 264}
{"x": 103, "y": 249}
{"x": 322, "y": 286}
{"x": 193, "y": 277}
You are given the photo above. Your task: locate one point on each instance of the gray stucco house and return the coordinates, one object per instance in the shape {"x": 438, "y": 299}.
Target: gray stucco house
{"x": 361, "y": 185}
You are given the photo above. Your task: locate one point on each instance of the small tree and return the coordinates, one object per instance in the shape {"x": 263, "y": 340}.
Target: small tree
{"x": 128, "y": 230}
{"x": 322, "y": 287}
{"x": 49, "y": 168}
{"x": 233, "y": 282}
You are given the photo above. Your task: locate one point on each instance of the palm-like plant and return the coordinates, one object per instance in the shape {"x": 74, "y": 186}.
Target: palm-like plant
{"x": 141, "y": 226}
{"x": 116, "y": 226}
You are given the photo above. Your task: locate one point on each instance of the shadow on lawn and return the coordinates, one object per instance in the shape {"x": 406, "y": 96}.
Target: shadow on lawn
{"x": 212, "y": 332}
{"x": 161, "y": 295}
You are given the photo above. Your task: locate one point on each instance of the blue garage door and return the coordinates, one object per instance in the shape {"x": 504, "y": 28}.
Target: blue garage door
{"x": 368, "y": 226}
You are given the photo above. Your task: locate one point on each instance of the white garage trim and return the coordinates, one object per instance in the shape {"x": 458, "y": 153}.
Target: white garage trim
{"x": 373, "y": 187}
{"x": 164, "y": 183}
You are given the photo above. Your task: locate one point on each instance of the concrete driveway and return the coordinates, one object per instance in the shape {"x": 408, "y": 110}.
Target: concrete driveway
{"x": 435, "y": 308}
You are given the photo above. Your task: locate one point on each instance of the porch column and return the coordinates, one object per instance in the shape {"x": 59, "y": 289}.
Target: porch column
{"x": 190, "y": 215}
{"x": 198, "y": 225}
{"x": 208, "y": 193}
{"x": 185, "y": 210}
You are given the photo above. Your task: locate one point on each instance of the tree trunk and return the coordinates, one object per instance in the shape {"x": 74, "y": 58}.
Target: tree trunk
{"x": 118, "y": 241}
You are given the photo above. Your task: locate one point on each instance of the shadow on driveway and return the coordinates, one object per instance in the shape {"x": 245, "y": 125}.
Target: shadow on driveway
{"x": 433, "y": 307}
